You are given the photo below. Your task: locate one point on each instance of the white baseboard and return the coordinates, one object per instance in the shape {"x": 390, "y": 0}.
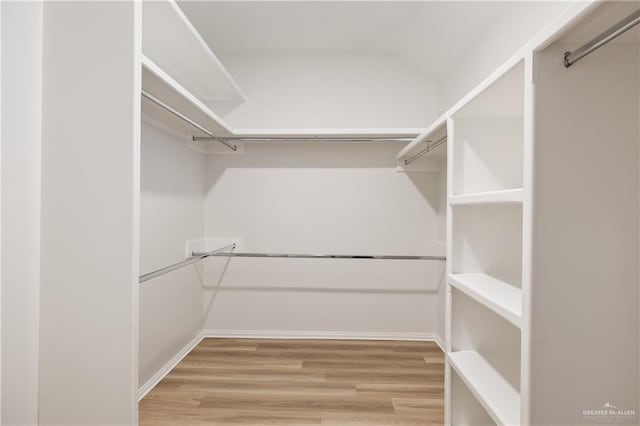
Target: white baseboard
{"x": 170, "y": 365}
{"x": 280, "y": 334}
{"x": 337, "y": 335}
{"x": 440, "y": 342}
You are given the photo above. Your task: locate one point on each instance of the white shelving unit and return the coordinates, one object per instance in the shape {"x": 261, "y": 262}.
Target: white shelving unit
{"x": 486, "y": 254}
{"x": 179, "y": 69}
{"x": 515, "y": 309}
{"x": 172, "y": 42}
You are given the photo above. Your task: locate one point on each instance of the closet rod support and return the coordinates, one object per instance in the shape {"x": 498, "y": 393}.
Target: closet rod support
{"x": 188, "y": 261}
{"x": 187, "y": 120}
{"x": 325, "y": 256}
{"x": 600, "y": 40}
{"x": 430, "y": 147}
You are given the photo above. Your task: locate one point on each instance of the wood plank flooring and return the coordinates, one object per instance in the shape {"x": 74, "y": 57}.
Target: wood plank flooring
{"x": 301, "y": 382}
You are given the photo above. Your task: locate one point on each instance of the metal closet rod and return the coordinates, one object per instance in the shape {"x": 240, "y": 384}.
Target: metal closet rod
{"x": 429, "y": 147}
{"x": 324, "y": 256}
{"x": 186, "y": 119}
{"x": 600, "y": 40}
{"x": 186, "y": 262}
{"x": 314, "y": 138}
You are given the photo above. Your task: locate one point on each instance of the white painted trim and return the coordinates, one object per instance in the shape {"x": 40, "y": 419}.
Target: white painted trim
{"x": 330, "y": 335}
{"x": 135, "y": 249}
{"x": 170, "y": 365}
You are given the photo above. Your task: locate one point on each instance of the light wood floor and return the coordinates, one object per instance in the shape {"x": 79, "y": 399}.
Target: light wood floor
{"x": 301, "y": 382}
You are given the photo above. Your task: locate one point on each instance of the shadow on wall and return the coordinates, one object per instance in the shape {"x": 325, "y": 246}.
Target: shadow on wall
{"x": 324, "y": 155}
{"x": 214, "y": 288}
{"x": 221, "y": 269}
{"x": 168, "y": 165}
{"x": 321, "y": 155}
{"x": 428, "y": 184}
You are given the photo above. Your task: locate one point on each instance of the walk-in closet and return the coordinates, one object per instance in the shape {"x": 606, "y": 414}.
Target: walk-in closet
{"x": 320, "y": 213}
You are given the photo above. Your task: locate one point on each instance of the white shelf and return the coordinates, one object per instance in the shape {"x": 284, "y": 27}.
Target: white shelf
{"x": 495, "y": 394}
{"x": 509, "y": 196}
{"x": 165, "y": 88}
{"x": 171, "y": 41}
{"x": 502, "y": 298}
{"x": 157, "y": 82}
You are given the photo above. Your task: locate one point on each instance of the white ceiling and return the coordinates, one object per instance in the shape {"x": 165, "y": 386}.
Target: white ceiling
{"x": 430, "y": 34}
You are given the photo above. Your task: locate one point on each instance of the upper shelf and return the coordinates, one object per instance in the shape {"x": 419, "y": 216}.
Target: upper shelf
{"x": 159, "y": 84}
{"x": 162, "y": 86}
{"x": 174, "y": 45}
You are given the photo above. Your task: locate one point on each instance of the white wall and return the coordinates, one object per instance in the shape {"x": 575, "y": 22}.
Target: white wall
{"x": 330, "y": 91}
{"x": 90, "y": 213}
{"x": 171, "y": 212}
{"x": 21, "y": 131}
{"x": 511, "y": 29}
{"x": 585, "y": 282}
{"x": 331, "y": 199}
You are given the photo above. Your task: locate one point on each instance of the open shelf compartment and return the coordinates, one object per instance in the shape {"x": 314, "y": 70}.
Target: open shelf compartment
{"x": 496, "y": 395}
{"x": 465, "y": 408}
{"x": 172, "y": 42}
{"x": 487, "y": 239}
{"x": 488, "y": 135}
{"x": 486, "y": 355}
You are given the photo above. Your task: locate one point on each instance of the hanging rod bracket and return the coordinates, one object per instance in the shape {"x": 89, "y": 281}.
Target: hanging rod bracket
{"x": 430, "y": 147}
{"x": 188, "y": 261}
